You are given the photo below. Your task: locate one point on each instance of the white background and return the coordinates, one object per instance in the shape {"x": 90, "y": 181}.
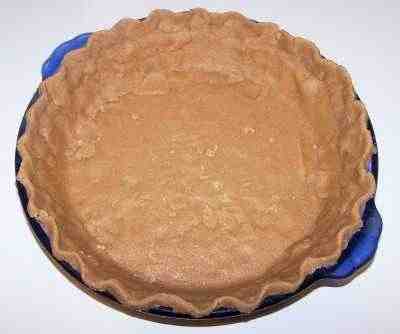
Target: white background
{"x": 361, "y": 35}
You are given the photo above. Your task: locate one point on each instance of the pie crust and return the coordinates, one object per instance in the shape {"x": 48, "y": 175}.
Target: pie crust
{"x": 197, "y": 160}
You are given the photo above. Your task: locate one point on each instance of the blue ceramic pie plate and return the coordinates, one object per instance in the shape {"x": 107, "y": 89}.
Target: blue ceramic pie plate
{"x": 354, "y": 259}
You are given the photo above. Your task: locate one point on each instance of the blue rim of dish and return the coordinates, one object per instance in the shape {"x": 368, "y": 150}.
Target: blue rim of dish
{"x": 358, "y": 254}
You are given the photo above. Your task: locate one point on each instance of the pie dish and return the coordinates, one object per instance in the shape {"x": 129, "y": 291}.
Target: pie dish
{"x": 193, "y": 159}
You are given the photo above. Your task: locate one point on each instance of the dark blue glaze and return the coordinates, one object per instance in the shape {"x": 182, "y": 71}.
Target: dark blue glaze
{"x": 360, "y": 251}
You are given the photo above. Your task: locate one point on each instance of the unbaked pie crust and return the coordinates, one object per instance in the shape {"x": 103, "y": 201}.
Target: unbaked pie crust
{"x": 197, "y": 160}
